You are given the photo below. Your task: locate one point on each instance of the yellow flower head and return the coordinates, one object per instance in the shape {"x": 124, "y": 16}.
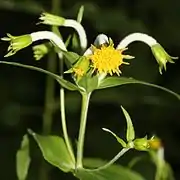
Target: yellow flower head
{"x": 107, "y": 59}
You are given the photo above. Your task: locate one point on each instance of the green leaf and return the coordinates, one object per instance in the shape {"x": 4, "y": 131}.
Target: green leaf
{"x": 75, "y": 41}
{"x": 66, "y": 84}
{"x": 118, "y": 81}
{"x": 121, "y": 141}
{"x": 130, "y": 134}
{"x": 114, "y": 172}
{"x": 23, "y": 159}
{"x": 80, "y": 14}
{"x": 71, "y": 57}
{"x": 88, "y": 83}
{"x": 54, "y": 151}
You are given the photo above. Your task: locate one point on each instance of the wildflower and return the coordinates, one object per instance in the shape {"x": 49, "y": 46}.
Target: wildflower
{"x": 17, "y": 43}
{"x": 104, "y": 57}
{"x": 162, "y": 57}
{"x": 107, "y": 59}
{"x": 158, "y": 51}
{"x": 51, "y": 19}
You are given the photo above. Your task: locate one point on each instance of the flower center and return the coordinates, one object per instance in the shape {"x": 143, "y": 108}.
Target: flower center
{"x": 107, "y": 59}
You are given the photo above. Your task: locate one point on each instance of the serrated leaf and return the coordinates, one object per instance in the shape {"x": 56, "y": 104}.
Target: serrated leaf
{"x": 54, "y": 151}
{"x": 23, "y": 159}
{"x": 114, "y": 172}
{"x": 118, "y": 81}
{"x": 66, "y": 84}
{"x": 130, "y": 134}
{"x": 121, "y": 141}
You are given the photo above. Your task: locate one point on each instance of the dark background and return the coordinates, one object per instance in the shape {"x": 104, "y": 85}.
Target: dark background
{"x": 153, "y": 111}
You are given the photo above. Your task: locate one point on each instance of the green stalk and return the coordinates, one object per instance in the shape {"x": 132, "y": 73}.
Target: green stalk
{"x": 112, "y": 161}
{"x": 62, "y": 104}
{"x": 64, "y": 126}
{"x": 80, "y": 145}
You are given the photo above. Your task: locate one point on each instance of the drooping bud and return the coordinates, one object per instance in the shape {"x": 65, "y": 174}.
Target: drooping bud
{"x": 50, "y": 19}
{"x": 162, "y": 57}
{"x": 17, "y": 43}
{"x": 40, "y": 51}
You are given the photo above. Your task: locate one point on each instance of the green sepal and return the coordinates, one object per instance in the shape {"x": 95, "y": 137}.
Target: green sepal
{"x": 130, "y": 134}
{"x": 80, "y": 14}
{"x": 121, "y": 141}
{"x": 23, "y": 159}
{"x": 54, "y": 151}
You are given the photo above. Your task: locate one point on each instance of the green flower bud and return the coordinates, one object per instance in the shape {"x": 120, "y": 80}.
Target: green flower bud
{"x": 50, "y": 19}
{"x": 17, "y": 43}
{"x": 40, "y": 50}
{"x": 162, "y": 57}
{"x": 80, "y": 68}
{"x": 141, "y": 144}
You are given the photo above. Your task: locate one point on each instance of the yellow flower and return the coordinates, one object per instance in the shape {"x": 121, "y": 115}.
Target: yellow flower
{"x": 107, "y": 59}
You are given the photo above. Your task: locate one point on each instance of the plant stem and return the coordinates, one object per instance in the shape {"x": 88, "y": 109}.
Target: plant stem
{"x": 64, "y": 126}
{"x": 62, "y": 104}
{"x": 112, "y": 161}
{"x": 80, "y": 145}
